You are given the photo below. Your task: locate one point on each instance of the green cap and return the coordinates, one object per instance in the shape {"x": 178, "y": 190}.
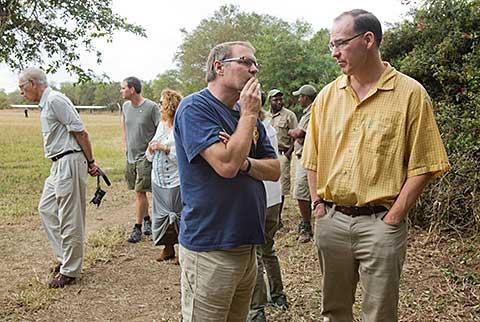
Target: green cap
{"x": 307, "y": 90}
{"x": 275, "y": 92}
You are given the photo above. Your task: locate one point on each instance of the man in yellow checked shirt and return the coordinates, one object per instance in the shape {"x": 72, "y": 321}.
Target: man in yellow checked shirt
{"x": 371, "y": 147}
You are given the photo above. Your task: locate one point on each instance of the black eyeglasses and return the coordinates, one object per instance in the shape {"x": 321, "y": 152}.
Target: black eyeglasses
{"x": 243, "y": 60}
{"x": 341, "y": 43}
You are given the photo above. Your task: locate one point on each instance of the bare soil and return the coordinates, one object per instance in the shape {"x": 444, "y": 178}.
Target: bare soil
{"x": 441, "y": 277}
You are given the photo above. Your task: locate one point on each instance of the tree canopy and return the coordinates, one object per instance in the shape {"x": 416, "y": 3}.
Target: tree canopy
{"x": 290, "y": 54}
{"x": 53, "y": 33}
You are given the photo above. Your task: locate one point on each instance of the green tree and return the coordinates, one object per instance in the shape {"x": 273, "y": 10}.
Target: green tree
{"x": 440, "y": 47}
{"x": 3, "y": 99}
{"x": 108, "y": 94}
{"x": 31, "y": 30}
{"x": 168, "y": 79}
{"x": 290, "y": 54}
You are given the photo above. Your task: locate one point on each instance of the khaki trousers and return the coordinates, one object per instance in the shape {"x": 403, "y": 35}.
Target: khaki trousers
{"x": 363, "y": 249}
{"x": 217, "y": 285}
{"x": 267, "y": 259}
{"x": 62, "y": 209}
{"x": 284, "y": 174}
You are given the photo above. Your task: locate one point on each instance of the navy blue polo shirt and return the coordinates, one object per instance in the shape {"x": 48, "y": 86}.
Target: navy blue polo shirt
{"x": 218, "y": 213}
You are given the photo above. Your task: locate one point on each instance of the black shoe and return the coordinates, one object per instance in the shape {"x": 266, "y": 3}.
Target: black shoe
{"x": 280, "y": 302}
{"x": 147, "y": 227}
{"x": 135, "y": 235}
{"x": 257, "y": 317}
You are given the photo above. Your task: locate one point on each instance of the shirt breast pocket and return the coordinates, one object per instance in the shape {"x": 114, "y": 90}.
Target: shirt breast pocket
{"x": 382, "y": 132}
{"x": 282, "y": 123}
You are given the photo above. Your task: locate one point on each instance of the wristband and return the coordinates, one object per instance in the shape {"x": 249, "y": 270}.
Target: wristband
{"x": 91, "y": 162}
{"x": 316, "y": 203}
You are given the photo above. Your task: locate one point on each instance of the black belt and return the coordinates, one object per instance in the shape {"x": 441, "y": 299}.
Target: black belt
{"x": 61, "y": 155}
{"x": 354, "y": 211}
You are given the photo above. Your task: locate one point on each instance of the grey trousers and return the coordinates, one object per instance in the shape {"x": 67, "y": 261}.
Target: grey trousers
{"x": 62, "y": 211}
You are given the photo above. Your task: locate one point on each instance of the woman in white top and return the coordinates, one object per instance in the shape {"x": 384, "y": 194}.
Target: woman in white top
{"x": 167, "y": 203}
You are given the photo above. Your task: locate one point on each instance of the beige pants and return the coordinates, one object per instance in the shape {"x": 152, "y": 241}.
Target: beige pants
{"x": 300, "y": 189}
{"x": 363, "y": 248}
{"x": 217, "y": 285}
{"x": 285, "y": 174}
{"x": 62, "y": 211}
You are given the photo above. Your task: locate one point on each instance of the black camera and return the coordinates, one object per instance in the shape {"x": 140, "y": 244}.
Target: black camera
{"x": 99, "y": 193}
{"x": 97, "y": 198}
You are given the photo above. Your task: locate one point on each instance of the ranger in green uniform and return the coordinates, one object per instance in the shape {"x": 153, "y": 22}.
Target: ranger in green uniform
{"x": 306, "y": 95}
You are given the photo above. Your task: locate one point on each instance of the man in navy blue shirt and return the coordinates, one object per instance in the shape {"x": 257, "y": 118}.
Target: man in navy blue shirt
{"x": 221, "y": 184}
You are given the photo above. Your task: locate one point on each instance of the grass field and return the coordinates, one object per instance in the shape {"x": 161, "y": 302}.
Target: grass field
{"x": 23, "y": 167}
{"x": 123, "y": 282}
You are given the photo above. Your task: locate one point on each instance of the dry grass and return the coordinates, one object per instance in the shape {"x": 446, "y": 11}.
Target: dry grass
{"x": 102, "y": 244}
{"x": 28, "y": 296}
{"x": 440, "y": 282}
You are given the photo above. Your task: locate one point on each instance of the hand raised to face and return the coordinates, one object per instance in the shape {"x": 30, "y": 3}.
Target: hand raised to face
{"x": 250, "y": 98}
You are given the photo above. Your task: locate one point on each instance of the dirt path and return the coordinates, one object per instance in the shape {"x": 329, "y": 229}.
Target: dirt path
{"x": 134, "y": 287}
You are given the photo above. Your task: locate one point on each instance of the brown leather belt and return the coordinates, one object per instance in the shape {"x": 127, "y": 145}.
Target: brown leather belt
{"x": 354, "y": 211}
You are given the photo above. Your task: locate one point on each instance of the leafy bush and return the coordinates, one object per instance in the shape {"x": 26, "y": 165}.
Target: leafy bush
{"x": 439, "y": 47}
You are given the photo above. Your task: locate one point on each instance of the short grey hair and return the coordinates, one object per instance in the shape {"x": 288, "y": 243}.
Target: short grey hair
{"x": 220, "y": 52}
{"x": 34, "y": 74}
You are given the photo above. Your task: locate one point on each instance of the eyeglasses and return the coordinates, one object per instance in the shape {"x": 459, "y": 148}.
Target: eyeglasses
{"x": 243, "y": 60}
{"x": 21, "y": 85}
{"x": 341, "y": 43}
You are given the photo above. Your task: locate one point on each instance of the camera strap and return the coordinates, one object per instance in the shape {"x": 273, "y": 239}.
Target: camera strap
{"x": 105, "y": 178}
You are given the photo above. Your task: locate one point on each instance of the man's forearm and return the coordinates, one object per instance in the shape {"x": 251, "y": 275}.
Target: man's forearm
{"x": 411, "y": 190}
{"x": 84, "y": 142}
{"x": 264, "y": 169}
{"x": 312, "y": 184}
{"x": 241, "y": 139}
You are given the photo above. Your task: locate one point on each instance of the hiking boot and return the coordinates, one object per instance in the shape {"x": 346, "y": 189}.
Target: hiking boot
{"x": 135, "y": 235}
{"x": 257, "y": 317}
{"x": 305, "y": 232}
{"x": 280, "y": 302}
{"x": 147, "y": 227}
{"x": 166, "y": 254}
{"x": 60, "y": 281}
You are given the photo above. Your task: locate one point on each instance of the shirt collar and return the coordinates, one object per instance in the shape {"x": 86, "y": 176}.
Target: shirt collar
{"x": 386, "y": 81}
{"x": 306, "y": 109}
{"x": 43, "y": 99}
{"x": 278, "y": 113}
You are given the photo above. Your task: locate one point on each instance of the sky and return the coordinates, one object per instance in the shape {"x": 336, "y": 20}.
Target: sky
{"x": 130, "y": 55}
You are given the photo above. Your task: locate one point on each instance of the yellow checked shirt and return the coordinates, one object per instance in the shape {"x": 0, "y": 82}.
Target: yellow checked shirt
{"x": 363, "y": 151}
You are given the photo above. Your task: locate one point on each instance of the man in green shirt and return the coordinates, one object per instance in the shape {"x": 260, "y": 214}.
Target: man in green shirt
{"x": 140, "y": 117}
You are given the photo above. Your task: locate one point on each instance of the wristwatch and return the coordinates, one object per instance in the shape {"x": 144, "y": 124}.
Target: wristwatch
{"x": 316, "y": 203}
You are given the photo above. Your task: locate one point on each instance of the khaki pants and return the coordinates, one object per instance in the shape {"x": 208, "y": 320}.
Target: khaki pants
{"x": 217, "y": 285}
{"x": 284, "y": 174}
{"x": 300, "y": 189}
{"x": 267, "y": 258}
{"x": 62, "y": 210}
{"x": 363, "y": 248}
